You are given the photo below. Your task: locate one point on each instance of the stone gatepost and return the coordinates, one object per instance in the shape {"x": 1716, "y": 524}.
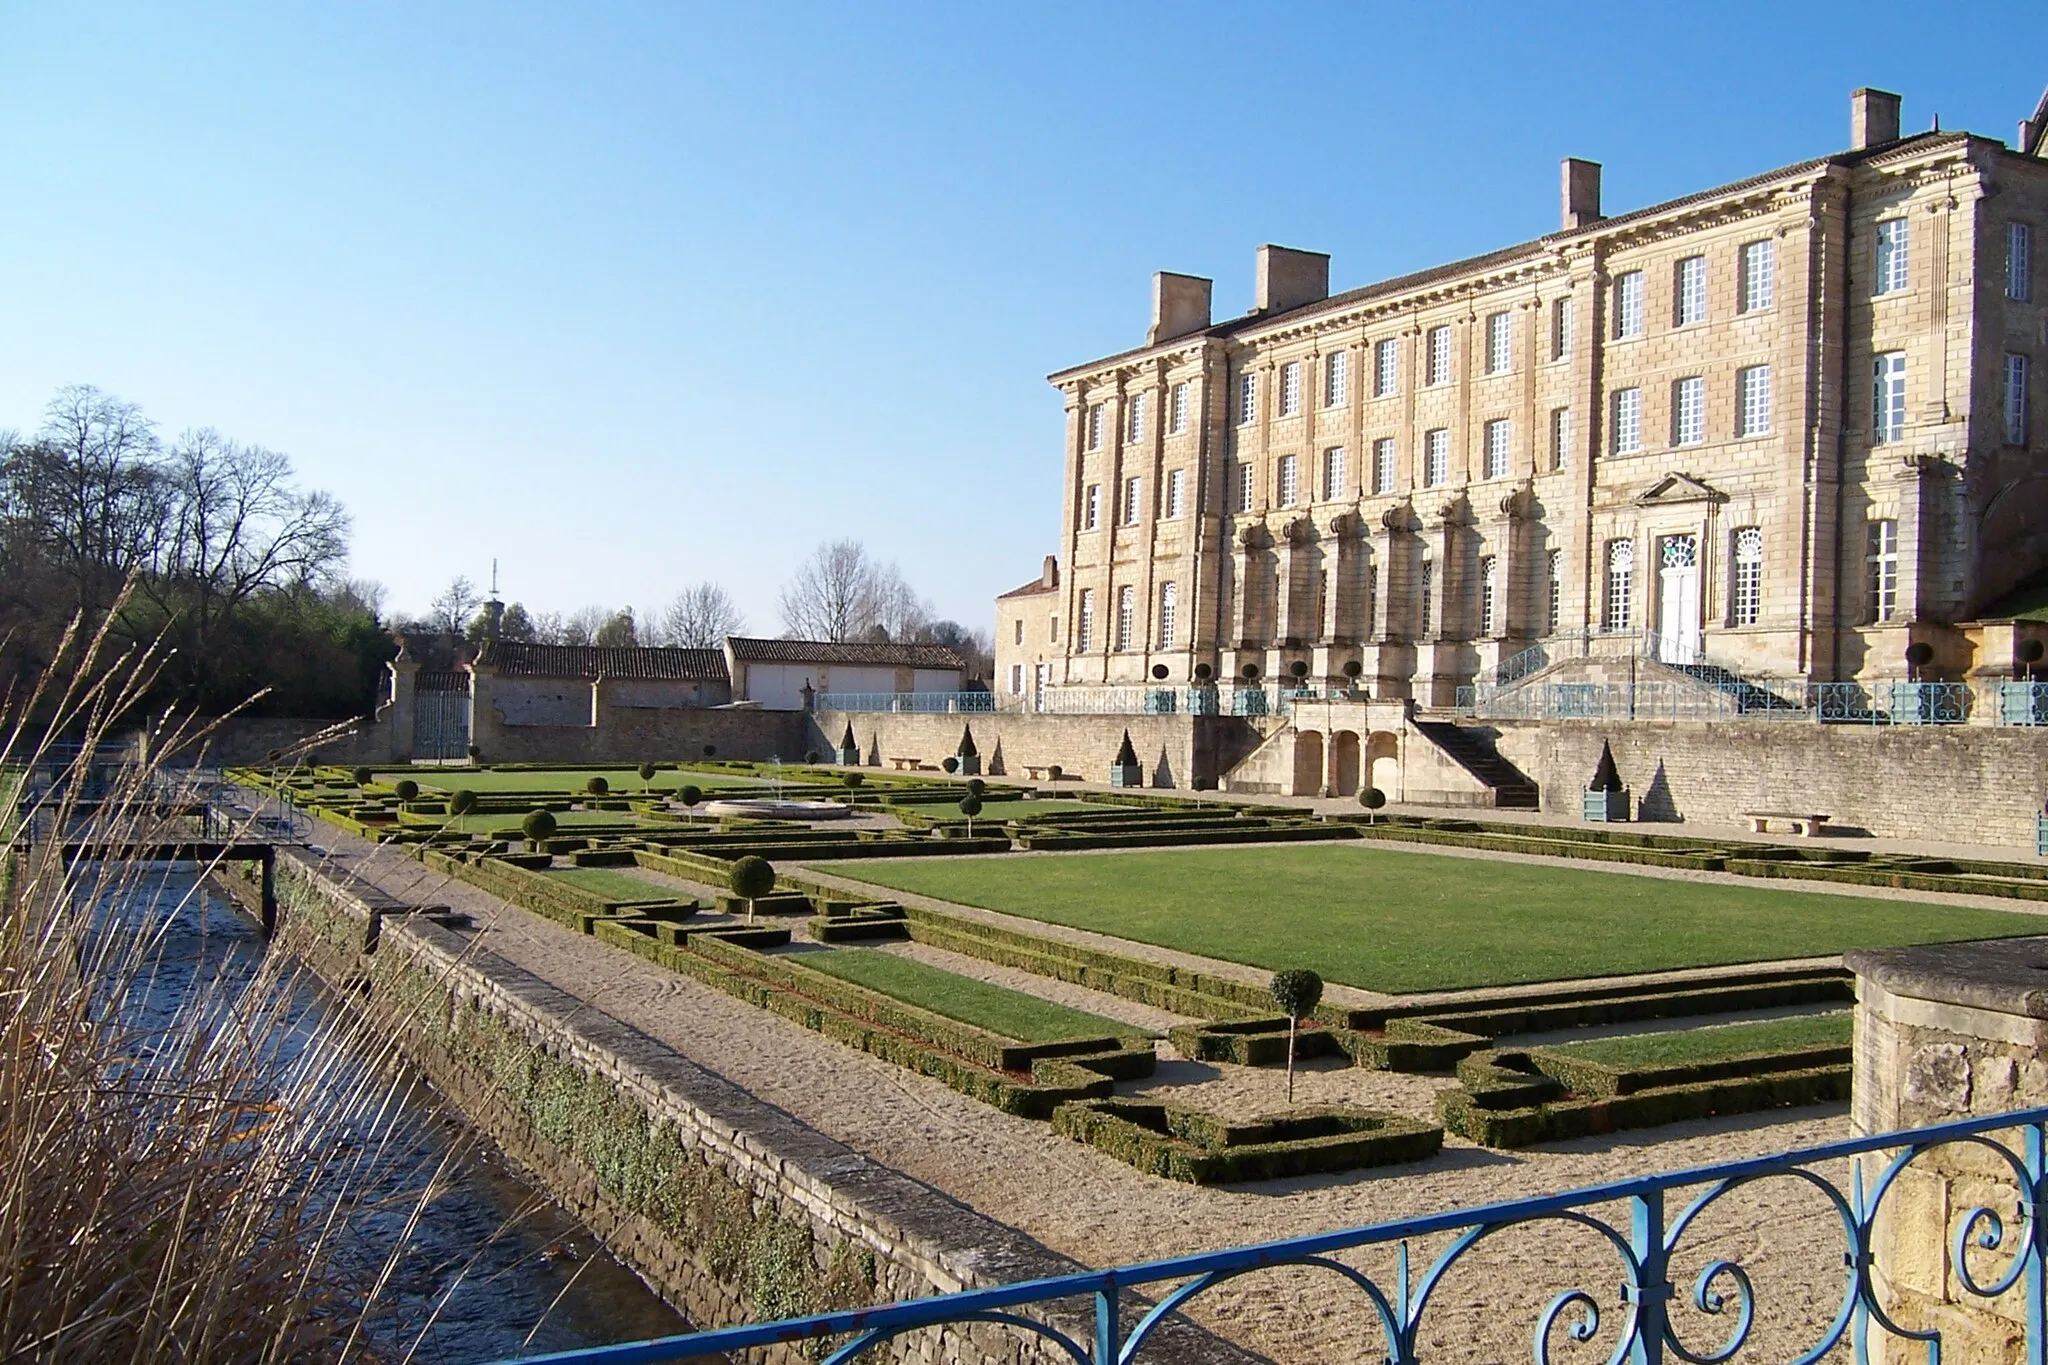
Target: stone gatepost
{"x": 1944, "y": 1033}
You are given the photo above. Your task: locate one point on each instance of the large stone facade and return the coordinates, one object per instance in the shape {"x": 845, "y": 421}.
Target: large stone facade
{"x": 1669, "y": 424}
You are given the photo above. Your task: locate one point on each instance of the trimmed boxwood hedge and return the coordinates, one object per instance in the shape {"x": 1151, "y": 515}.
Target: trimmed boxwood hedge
{"x": 1202, "y": 1149}
{"x": 1240, "y": 832}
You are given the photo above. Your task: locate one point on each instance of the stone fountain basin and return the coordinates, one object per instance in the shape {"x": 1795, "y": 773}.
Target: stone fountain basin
{"x": 768, "y": 808}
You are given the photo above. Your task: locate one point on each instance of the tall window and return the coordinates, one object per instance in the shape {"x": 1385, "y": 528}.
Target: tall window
{"x": 1176, "y": 492}
{"x": 1891, "y": 257}
{"x": 1439, "y": 371}
{"x": 1247, "y": 399}
{"x": 2019, "y": 262}
{"x": 1691, "y": 292}
{"x": 1016, "y": 679}
{"x": 1126, "y": 615}
{"x": 1436, "y": 457}
{"x": 1333, "y": 473}
{"x": 1628, "y": 305}
{"x": 2015, "y": 400}
{"x": 1628, "y": 421}
{"x": 1689, "y": 411}
{"x": 1747, "y": 590}
{"x": 1169, "y": 610}
{"x": 1372, "y": 597}
{"x": 1132, "y": 487}
{"x": 1383, "y": 465}
{"x": 1290, "y": 388}
{"x": 1759, "y": 271}
{"x": 1618, "y": 609}
{"x": 1020, "y": 630}
{"x": 1386, "y": 367}
{"x": 1336, "y": 379}
{"x": 1084, "y": 627}
{"x": 1489, "y": 595}
{"x": 1553, "y": 605}
{"x": 1497, "y": 449}
{"x": 1888, "y": 398}
{"x": 1428, "y": 596}
{"x": 1290, "y": 475}
{"x": 1095, "y": 426}
{"x": 1134, "y": 419}
{"x": 1560, "y": 329}
{"x": 1560, "y": 437}
{"x": 1091, "y": 507}
{"x": 1244, "y": 488}
{"x": 1753, "y": 400}
{"x": 1882, "y": 563}
{"x": 1177, "y": 409}
{"x": 1498, "y": 339}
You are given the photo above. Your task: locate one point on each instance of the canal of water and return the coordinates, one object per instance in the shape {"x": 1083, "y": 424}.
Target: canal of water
{"x": 493, "y": 1269}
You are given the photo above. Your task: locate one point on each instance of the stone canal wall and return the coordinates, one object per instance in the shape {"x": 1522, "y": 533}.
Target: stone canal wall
{"x": 731, "y": 1209}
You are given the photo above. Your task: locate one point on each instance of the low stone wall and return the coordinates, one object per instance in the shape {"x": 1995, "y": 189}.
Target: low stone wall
{"x": 731, "y": 1209}
{"x": 1944, "y": 1033}
{"x": 1173, "y": 751}
{"x": 636, "y": 734}
{"x": 1957, "y": 784}
{"x": 240, "y": 740}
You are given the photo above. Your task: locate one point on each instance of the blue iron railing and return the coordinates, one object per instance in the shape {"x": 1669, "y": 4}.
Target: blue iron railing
{"x": 1644, "y": 1248}
{"x": 940, "y": 703}
{"x": 1706, "y": 698}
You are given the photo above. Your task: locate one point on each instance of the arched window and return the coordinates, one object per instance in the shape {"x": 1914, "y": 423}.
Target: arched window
{"x": 1169, "y": 607}
{"x": 1747, "y": 589}
{"x": 1621, "y": 571}
{"x": 1489, "y": 596}
{"x": 1126, "y": 613}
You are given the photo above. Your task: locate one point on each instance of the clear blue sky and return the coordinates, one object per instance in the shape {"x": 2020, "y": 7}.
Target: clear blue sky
{"x": 630, "y": 295}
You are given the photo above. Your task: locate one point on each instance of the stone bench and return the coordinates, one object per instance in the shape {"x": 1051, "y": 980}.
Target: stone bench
{"x": 907, "y": 765}
{"x": 1806, "y": 825}
{"x": 1038, "y": 772}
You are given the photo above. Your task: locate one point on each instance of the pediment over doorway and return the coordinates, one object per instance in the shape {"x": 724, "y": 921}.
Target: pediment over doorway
{"x": 1679, "y": 488}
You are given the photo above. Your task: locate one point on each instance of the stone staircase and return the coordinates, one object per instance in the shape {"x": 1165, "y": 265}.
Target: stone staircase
{"x": 1472, "y": 751}
{"x": 1747, "y": 694}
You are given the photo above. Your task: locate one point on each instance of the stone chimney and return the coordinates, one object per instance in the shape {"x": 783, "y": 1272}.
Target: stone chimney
{"x": 1873, "y": 118}
{"x": 1581, "y": 193}
{"x": 1288, "y": 278}
{"x": 1049, "y": 576}
{"x": 1180, "y": 305}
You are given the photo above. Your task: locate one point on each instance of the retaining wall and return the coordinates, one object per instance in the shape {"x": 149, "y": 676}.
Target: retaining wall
{"x": 1173, "y": 751}
{"x": 1954, "y": 784}
{"x": 731, "y": 1209}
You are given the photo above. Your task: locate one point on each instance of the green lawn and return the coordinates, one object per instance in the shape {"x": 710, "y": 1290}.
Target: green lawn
{"x": 565, "y": 820}
{"x": 1056, "y": 805}
{"x": 1401, "y": 922}
{"x": 1004, "y": 1012}
{"x": 610, "y": 883}
{"x": 1715, "y": 1041}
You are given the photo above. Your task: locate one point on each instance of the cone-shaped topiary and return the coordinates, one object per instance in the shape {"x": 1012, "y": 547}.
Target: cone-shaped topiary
{"x": 752, "y": 878}
{"x": 407, "y": 789}
{"x": 597, "y": 786}
{"x": 1126, "y": 756}
{"x": 462, "y": 803}
{"x": 1297, "y": 991}
{"x": 538, "y": 825}
{"x": 846, "y": 741}
{"x": 967, "y": 749}
{"x": 1606, "y": 777}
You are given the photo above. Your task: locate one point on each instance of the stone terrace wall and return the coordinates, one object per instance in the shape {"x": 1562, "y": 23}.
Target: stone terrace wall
{"x": 808, "y": 1209}
{"x": 252, "y": 740}
{"x": 1946, "y": 1033}
{"x": 633, "y": 734}
{"x": 1174, "y": 751}
{"x": 1960, "y": 784}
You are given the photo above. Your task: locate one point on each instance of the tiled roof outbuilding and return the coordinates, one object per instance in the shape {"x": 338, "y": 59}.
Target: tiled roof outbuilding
{"x": 757, "y": 651}
{"x": 514, "y": 659}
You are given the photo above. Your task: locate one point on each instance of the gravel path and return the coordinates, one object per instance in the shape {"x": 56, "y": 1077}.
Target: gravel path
{"x": 1102, "y": 1212}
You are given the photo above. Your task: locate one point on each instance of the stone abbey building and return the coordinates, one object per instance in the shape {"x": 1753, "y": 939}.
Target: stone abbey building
{"x": 1785, "y": 426}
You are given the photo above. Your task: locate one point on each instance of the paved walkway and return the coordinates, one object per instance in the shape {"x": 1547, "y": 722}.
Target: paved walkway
{"x": 1102, "y": 1212}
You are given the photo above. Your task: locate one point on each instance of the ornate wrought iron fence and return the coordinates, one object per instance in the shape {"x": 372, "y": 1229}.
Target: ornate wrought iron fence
{"x": 921, "y": 703}
{"x": 1994, "y": 1252}
{"x": 1831, "y": 703}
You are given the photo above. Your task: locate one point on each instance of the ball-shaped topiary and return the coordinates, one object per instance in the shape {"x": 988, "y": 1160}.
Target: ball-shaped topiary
{"x": 597, "y": 786}
{"x": 407, "y": 789}
{"x": 975, "y": 786}
{"x": 538, "y": 824}
{"x": 853, "y": 780}
{"x": 647, "y": 771}
{"x": 1372, "y": 798}
{"x": 752, "y": 877}
{"x": 362, "y": 777}
{"x": 810, "y": 755}
{"x": 970, "y": 805}
{"x": 462, "y": 802}
{"x": 689, "y": 794}
{"x": 951, "y": 764}
{"x": 1055, "y": 772}
{"x": 1297, "y": 991}
{"x": 475, "y": 753}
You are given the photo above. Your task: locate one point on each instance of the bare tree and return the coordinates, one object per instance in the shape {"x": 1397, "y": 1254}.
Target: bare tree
{"x": 700, "y": 617}
{"x": 840, "y": 593}
{"x": 579, "y": 627}
{"x": 88, "y": 489}
{"x": 450, "y": 612}
{"x": 618, "y": 631}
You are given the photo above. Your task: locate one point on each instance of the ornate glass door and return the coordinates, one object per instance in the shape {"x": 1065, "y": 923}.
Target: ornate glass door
{"x": 1678, "y": 600}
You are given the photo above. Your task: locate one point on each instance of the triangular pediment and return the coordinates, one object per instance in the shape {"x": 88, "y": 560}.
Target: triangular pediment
{"x": 1677, "y": 488}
